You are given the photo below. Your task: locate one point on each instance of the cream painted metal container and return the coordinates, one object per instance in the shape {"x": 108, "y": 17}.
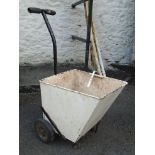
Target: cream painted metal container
{"x": 72, "y": 106}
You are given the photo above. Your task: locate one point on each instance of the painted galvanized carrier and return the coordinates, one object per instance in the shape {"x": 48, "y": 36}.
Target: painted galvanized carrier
{"x": 75, "y": 101}
{"x": 73, "y": 107}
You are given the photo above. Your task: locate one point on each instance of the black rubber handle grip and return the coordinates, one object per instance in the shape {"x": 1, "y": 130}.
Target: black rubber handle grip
{"x": 38, "y": 10}
{"x": 34, "y": 10}
{"x": 49, "y": 12}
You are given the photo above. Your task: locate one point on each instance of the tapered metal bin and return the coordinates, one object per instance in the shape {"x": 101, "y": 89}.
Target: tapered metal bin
{"x": 71, "y": 107}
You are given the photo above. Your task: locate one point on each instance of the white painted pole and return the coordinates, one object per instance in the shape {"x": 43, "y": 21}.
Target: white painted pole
{"x": 91, "y": 78}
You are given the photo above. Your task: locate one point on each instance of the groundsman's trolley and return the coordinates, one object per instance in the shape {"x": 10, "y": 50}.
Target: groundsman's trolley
{"x": 70, "y": 107}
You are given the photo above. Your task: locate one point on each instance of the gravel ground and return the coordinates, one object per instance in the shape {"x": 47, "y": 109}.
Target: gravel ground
{"x": 115, "y": 135}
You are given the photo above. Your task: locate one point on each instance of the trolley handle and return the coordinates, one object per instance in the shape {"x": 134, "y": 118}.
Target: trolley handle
{"x": 38, "y": 11}
{"x": 43, "y": 12}
{"x": 34, "y": 10}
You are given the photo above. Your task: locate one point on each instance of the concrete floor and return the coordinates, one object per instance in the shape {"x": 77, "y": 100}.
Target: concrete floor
{"x": 115, "y": 135}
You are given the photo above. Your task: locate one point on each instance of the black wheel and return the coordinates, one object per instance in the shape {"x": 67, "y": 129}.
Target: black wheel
{"x": 44, "y": 130}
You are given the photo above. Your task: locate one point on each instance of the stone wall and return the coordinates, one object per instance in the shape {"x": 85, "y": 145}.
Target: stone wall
{"x": 114, "y": 25}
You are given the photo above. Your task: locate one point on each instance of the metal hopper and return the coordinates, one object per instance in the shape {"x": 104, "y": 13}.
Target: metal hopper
{"x": 71, "y": 107}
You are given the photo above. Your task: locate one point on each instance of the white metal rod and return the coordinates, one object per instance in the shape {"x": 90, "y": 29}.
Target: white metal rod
{"x": 91, "y": 78}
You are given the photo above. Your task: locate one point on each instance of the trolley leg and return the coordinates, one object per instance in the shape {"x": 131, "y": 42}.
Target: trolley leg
{"x": 88, "y": 32}
{"x": 89, "y": 24}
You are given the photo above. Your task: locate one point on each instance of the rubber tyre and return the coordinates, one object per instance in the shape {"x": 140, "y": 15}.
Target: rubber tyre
{"x": 44, "y": 131}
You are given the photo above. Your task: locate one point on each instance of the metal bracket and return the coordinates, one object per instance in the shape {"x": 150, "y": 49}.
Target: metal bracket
{"x": 78, "y": 38}
{"x": 77, "y": 3}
